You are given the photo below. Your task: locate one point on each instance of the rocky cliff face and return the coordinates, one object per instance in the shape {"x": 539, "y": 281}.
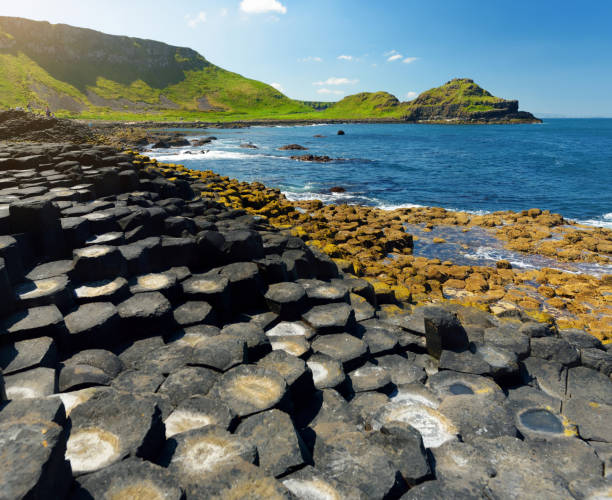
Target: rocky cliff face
{"x": 69, "y": 54}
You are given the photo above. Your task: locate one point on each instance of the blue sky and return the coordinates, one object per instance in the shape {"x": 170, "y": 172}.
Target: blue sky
{"x": 554, "y": 56}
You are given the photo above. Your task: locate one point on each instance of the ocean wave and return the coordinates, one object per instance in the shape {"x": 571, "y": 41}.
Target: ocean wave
{"x": 332, "y": 198}
{"x": 384, "y": 206}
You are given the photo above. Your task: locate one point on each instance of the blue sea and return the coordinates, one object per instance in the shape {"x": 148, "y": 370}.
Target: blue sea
{"x": 564, "y": 165}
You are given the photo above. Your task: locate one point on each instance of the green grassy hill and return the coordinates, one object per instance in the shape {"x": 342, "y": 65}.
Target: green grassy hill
{"x": 83, "y": 73}
{"x": 77, "y": 71}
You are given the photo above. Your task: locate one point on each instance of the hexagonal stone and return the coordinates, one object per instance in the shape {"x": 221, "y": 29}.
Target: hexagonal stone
{"x": 296, "y": 346}
{"x": 312, "y": 483}
{"x": 131, "y": 478}
{"x": 593, "y": 419}
{"x": 401, "y": 370}
{"x": 327, "y": 372}
{"x": 245, "y": 283}
{"x": 475, "y": 416}
{"x": 585, "y": 383}
{"x": 448, "y": 383}
{"x": 87, "y": 368}
{"x": 510, "y": 338}
{"x": 572, "y": 459}
{"x": 28, "y": 354}
{"x": 187, "y": 382}
{"x": 111, "y": 426}
{"x": 464, "y": 362}
{"x": 435, "y": 428}
{"x": 193, "y": 312}
{"x": 547, "y": 376}
{"x": 257, "y": 342}
{"x": 197, "y": 456}
{"x": 580, "y": 339}
{"x": 291, "y": 329}
{"x": 93, "y": 324}
{"x": 346, "y": 454}
{"x": 366, "y": 404}
{"x": 196, "y": 412}
{"x": 145, "y": 312}
{"x": 526, "y": 396}
{"x": 325, "y": 293}
{"x": 597, "y": 359}
{"x": 404, "y": 447}
{"x": 108, "y": 290}
{"x": 32, "y": 460}
{"x": 279, "y": 447}
{"x": 503, "y": 364}
{"x": 363, "y": 309}
{"x": 165, "y": 283}
{"x": 330, "y": 318}
{"x": 214, "y": 289}
{"x": 249, "y": 389}
{"x": 98, "y": 262}
{"x": 44, "y": 292}
{"x": 50, "y": 270}
{"x": 132, "y": 352}
{"x": 43, "y": 321}
{"x": 349, "y": 350}
{"x": 380, "y": 341}
{"x": 35, "y": 383}
{"x": 288, "y": 299}
{"x": 295, "y": 372}
{"x": 34, "y": 410}
{"x": 458, "y": 490}
{"x": 138, "y": 381}
{"x": 415, "y": 393}
{"x": 554, "y": 349}
{"x": 369, "y": 377}
{"x": 220, "y": 352}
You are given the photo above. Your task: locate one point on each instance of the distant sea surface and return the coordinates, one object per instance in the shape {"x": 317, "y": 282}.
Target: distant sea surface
{"x": 564, "y": 165}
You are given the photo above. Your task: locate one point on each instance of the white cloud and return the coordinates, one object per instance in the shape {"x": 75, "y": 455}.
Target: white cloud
{"x": 199, "y": 18}
{"x": 262, "y": 6}
{"x": 278, "y": 86}
{"x": 310, "y": 59}
{"x": 390, "y": 53}
{"x": 409, "y": 60}
{"x": 344, "y": 57}
{"x": 328, "y": 91}
{"x": 411, "y": 95}
{"x": 224, "y": 12}
{"x": 394, "y": 57}
{"x": 337, "y": 81}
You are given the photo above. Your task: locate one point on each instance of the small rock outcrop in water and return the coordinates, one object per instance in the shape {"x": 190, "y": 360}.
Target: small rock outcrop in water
{"x": 292, "y": 147}
{"x": 248, "y": 145}
{"x": 340, "y": 132}
{"x": 152, "y": 340}
{"x": 312, "y": 158}
{"x": 203, "y": 141}
{"x": 337, "y": 189}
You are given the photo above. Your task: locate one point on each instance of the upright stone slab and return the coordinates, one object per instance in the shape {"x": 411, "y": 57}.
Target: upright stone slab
{"x": 41, "y": 218}
{"x": 443, "y": 331}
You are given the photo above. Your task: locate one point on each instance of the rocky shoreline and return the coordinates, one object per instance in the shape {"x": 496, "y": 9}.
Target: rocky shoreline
{"x": 177, "y": 334}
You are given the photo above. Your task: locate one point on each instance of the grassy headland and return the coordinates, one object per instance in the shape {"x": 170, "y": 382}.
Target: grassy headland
{"x": 81, "y": 73}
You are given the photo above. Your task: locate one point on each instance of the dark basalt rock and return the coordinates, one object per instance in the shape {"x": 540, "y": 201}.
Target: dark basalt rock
{"x": 288, "y": 300}
{"x": 443, "y": 331}
{"x": 127, "y": 479}
{"x": 28, "y": 354}
{"x": 279, "y": 446}
{"x": 32, "y": 460}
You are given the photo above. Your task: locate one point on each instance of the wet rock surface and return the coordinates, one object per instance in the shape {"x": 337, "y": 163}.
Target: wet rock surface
{"x": 165, "y": 345}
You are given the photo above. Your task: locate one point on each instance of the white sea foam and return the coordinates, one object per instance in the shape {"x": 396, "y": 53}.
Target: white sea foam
{"x": 203, "y": 155}
{"x": 604, "y": 221}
